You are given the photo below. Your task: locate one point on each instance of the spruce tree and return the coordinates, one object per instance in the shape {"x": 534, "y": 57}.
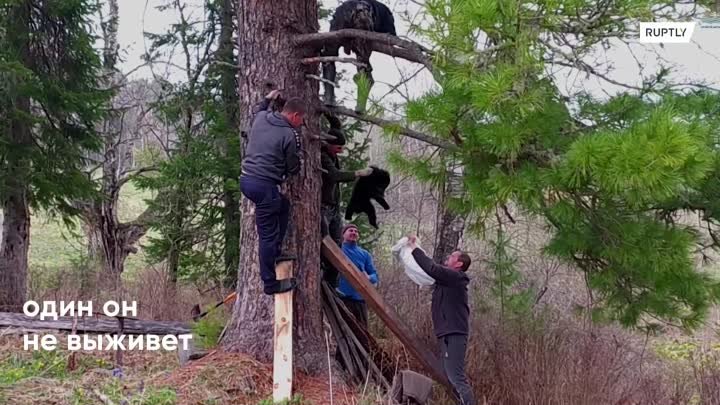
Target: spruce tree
{"x": 50, "y": 101}
{"x": 196, "y": 213}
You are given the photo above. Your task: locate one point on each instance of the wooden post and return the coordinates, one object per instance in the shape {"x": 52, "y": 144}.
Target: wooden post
{"x": 282, "y": 338}
{"x": 337, "y": 258}
{"x": 119, "y": 353}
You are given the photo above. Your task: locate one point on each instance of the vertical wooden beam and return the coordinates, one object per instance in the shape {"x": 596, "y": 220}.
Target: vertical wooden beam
{"x": 357, "y": 279}
{"x": 282, "y": 338}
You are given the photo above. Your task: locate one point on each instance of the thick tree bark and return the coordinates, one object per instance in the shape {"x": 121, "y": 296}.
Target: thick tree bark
{"x": 268, "y": 55}
{"x": 15, "y": 243}
{"x": 16, "y": 216}
{"x": 450, "y": 224}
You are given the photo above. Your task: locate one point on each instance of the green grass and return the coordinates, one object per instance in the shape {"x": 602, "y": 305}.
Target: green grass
{"x": 116, "y": 392}
{"x": 48, "y": 364}
{"x": 207, "y": 330}
{"x": 53, "y": 246}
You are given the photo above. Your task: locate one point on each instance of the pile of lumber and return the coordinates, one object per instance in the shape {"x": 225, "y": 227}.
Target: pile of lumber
{"x": 363, "y": 359}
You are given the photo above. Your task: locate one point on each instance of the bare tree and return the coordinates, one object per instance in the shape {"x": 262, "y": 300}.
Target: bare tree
{"x": 111, "y": 241}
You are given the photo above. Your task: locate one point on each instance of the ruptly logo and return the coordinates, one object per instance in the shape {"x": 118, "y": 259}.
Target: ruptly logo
{"x": 666, "y": 32}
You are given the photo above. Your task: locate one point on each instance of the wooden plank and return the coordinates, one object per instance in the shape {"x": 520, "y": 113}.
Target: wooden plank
{"x": 339, "y": 338}
{"x": 95, "y": 325}
{"x": 282, "y": 338}
{"x": 357, "y": 279}
{"x": 353, "y": 343}
{"x": 379, "y": 356}
{"x": 348, "y": 332}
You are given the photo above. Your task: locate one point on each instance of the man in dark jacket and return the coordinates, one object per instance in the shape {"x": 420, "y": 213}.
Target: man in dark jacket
{"x": 272, "y": 154}
{"x": 450, "y": 314}
{"x": 331, "y": 218}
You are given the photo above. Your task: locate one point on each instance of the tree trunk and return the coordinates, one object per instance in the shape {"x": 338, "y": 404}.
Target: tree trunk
{"x": 16, "y": 216}
{"x": 450, "y": 224}
{"x": 267, "y": 55}
{"x": 103, "y": 227}
{"x": 15, "y": 243}
{"x": 231, "y": 146}
{"x": 175, "y": 236}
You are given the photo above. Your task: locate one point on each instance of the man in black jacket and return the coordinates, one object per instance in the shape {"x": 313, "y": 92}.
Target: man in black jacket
{"x": 272, "y": 155}
{"x": 450, "y": 314}
{"x": 331, "y": 220}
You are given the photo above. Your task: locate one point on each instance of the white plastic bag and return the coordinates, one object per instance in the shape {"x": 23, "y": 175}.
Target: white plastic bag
{"x": 402, "y": 252}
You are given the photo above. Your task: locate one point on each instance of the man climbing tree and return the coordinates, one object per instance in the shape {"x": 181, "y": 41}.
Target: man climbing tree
{"x": 265, "y": 34}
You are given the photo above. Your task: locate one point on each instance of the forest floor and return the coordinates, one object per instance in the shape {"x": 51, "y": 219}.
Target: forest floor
{"x": 148, "y": 378}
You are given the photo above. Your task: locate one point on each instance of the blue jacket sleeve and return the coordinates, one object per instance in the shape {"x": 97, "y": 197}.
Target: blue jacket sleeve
{"x": 370, "y": 269}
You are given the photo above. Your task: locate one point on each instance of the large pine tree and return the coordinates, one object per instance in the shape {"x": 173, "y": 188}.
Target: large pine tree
{"x": 268, "y": 54}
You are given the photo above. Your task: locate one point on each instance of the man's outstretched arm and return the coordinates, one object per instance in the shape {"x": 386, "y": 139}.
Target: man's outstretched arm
{"x": 334, "y": 175}
{"x": 441, "y": 274}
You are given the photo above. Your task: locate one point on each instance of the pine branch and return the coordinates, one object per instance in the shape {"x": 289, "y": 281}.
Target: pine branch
{"x": 322, "y": 80}
{"x": 410, "y": 133}
{"x": 322, "y": 59}
{"x": 323, "y": 38}
{"x": 383, "y": 43}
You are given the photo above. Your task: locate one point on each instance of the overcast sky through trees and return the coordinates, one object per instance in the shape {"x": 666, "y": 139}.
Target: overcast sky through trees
{"x": 699, "y": 60}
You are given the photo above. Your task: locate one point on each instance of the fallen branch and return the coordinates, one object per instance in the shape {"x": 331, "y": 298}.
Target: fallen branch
{"x": 91, "y": 325}
{"x": 410, "y": 133}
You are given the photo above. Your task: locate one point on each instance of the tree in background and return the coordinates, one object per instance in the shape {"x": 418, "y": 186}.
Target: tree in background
{"x": 51, "y": 101}
{"x": 607, "y": 179}
{"x": 110, "y": 241}
{"x": 196, "y": 211}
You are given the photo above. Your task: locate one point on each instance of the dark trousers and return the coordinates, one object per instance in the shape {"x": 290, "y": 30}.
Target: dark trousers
{"x": 452, "y": 353}
{"x": 330, "y": 224}
{"x": 272, "y": 213}
{"x": 359, "y": 310}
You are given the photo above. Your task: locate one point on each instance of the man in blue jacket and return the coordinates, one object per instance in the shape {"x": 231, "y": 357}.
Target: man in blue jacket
{"x": 363, "y": 261}
{"x": 351, "y": 298}
{"x": 271, "y": 156}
